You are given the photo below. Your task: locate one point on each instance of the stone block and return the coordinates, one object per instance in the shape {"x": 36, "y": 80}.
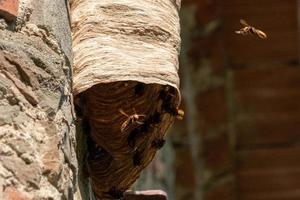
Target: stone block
{"x": 9, "y": 9}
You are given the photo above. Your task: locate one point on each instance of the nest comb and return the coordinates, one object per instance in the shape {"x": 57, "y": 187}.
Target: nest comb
{"x": 125, "y": 65}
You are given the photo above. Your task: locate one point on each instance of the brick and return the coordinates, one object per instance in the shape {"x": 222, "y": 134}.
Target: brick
{"x": 9, "y": 9}
{"x": 268, "y": 100}
{"x": 212, "y": 108}
{"x": 266, "y": 173}
{"x": 208, "y": 48}
{"x": 275, "y": 195}
{"x": 272, "y": 76}
{"x": 269, "y": 180}
{"x": 217, "y": 153}
{"x": 185, "y": 172}
{"x": 280, "y": 26}
{"x": 217, "y": 54}
{"x": 205, "y": 10}
{"x": 207, "y": 38}
{"x": 268, "y": 158}
{"x": 267, "y": 105}
{"x": 52, "y": 167}
{"x": 11, "y": 193}
{"x": 27, "y": 174}
{"x": 267, "y": 130}
{"x": 146, "y": 195}
{"x": 224, "y": 191}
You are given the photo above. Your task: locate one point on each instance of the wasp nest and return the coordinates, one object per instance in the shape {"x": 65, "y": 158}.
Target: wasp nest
{"x": 125, "y": 83}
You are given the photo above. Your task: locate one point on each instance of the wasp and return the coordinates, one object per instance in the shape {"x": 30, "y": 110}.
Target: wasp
{"x": 154, "y": 119}
{"x": 158, "y": 143}
{"x": 132, "y": 137}
{"x": 137, "y": 158}
{"x": 94, "y": 150}
{"x": 141, "y": 131}
{"x": 175, "y": 111}
{"x": 115, "y": 193}
{"x": 167, "y": 95}
{"x": 168, "y": 104}
{"x": 132, "y": 119}
{"x": 179, "y": 114}
{"x": 139, "y": 89}
{"x": 250, "y": 30}
{"x": 79, "y": 104}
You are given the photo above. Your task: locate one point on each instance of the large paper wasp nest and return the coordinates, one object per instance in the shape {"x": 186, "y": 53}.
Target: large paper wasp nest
{"x": 125, "y": 83}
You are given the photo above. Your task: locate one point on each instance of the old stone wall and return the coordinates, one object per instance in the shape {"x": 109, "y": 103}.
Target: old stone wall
{"x": 37, "y": 132}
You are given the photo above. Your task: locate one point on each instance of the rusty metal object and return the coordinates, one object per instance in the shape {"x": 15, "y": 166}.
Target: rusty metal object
{"x": 146, "y": 195}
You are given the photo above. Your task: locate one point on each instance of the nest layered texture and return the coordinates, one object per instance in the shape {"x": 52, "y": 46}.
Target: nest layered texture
{"x": 126, "y": 80}
{"x": 119, "y": 40}
{"x": 118, "y": 157}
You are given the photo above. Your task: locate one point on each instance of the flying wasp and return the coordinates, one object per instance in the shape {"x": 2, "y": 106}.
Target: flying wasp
{"x": 115, "y": 193}
{"x": 250, "y": 30}
{"x": 137, "y": 158}
{"x": 132, "y": 119}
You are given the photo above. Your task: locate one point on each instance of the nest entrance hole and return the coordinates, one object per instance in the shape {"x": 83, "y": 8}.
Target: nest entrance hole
{"x": 116, "y": 157}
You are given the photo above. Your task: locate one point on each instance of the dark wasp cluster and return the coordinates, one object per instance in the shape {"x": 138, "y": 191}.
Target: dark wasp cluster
{"x": 114, "y": 193}
{"x": 168, "y": 103}
{"x": 168, "y": 106}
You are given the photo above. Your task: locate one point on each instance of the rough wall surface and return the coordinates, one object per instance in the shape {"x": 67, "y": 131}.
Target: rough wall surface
{"x": 37, "y": 133}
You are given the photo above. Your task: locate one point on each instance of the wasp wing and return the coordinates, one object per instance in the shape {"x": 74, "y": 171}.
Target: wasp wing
{"x": 261, "y": 34}
{"x": 243, "y": 22}
{"x": 125, "y": 125}
{"x": 123, "y": 113}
